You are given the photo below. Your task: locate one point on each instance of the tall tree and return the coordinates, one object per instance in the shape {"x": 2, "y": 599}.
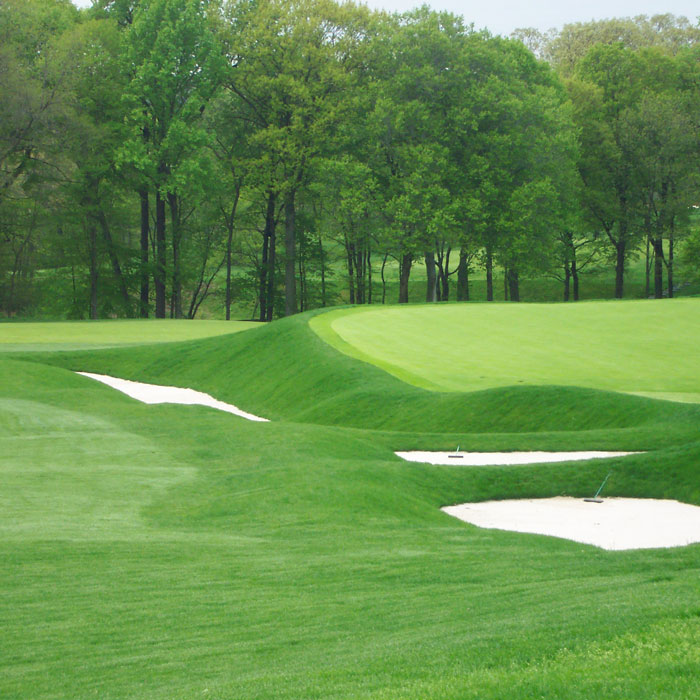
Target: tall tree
{"x": 293, "y": 64}
{"x": 175, "y": 65}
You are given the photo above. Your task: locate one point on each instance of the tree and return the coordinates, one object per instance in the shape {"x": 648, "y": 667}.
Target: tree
{"x": 293, "y": 62}
{"x": 174, "y": 64}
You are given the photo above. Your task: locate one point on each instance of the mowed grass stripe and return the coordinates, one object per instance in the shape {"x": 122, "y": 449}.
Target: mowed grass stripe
{"x": 629, "y": 346}
{"x": 73, "y": 335}
{"x": 301, "y": 558}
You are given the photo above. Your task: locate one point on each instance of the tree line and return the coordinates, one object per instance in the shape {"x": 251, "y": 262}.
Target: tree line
{"x": 158, "y": 155}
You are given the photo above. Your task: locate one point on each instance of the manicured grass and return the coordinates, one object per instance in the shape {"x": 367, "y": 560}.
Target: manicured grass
{"x": 71, "y": 335}
{"x": 642, "y": 346}
{"x": 178, "y": 552}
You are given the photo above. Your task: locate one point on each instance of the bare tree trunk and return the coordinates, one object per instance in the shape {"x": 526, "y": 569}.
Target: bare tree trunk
{"x": 431, "y": 291}
{"x": 404, "y": 273}
{"x": 267, "y": 271}
{"x": 323, "y": 272}
{"x": 647, "y": 267}
{"x": 369, "y": 274}
{"x": 463, "y": 275}
{"x": 359, "y": 252}
{"x": 489, "y": 275}
{"x": 386, "y": 256}
{"x": 114, "y": 259}
{"x": 159, "y": 271}
{"x": 349, "y": 250}
{"x": 657, "y": 244}
{"x": 145, "y": 231}
{"x": 290, "y": 290}
{"x": 444, "y": 275}
{"x": 271, "y": 272}
{"x": 620, "y": 249}
{"x": 92, "y": 244}
{"x": 229, "y": 247}
{"x": 176, "y": 233}
{"x": 302, "y": 281}
{"x": 669, "y": 263}
{"x": 513, "y": 280}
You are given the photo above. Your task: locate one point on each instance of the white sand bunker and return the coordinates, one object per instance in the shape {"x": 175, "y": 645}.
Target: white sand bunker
{"x": 152, "y": 393}
{"x": 614, "y": 523}
{"x": 483, "y": 459}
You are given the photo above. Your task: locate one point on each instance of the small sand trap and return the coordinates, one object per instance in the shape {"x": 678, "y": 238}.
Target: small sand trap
{"x": 616, "y": 523}
{"x": 152, "y": 393}
{"x": 484, "y": 459}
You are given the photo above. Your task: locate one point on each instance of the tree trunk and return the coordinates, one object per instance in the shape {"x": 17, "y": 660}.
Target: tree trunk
{"x": 505, "y": 284}
{"x": 145, "y": 231}
{"x": 114, "y": 259}
{"x": 159, "y": 270}
{"x": 349, "y": 250}
{"x": 92, "y": 244}
{"x": 369, "y": 274}
{"x": 669, "y": 264}
{"x": 489, "y": 275}
{"x": 513, "y": 284}
{"x": 620, "y": 249}
{"x": 323, "y": 271}
{"x": 567, "y": 280}
{"x": 271, "y": 273}
{"x": 431, "y": 291}
{"x": 302, "y": 281}
{"x": 229, "y": 247}
{"x": 381, "y": 272}
{"x": 647, "y": 267}
{"x": 463, "y": 275}
{"x": 359, "y": 252}
{"x": 444, "y": 276}
{"x": 404, "y": 273}
{"x": 574, "y": 276}
{"x": 267, "y": 271}
{"x": 657, "y": 244}
{"x": 290, "y": 290}
{"x": 176, "y": 233}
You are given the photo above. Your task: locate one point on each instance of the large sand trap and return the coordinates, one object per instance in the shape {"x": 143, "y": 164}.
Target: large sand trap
{"x": 483, "y": 459}
{"x": 152, "y": 393}
{"x": 616, "y": 523}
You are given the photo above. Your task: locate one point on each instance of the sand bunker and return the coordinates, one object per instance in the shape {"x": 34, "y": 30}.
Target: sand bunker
{"x": 483, "y": 459}
{"x": 152, "y": 393}
{"x": 616, "y": 523}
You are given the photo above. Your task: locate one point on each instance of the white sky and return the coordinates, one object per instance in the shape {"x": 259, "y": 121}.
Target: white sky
{"x": 503, "y": 16}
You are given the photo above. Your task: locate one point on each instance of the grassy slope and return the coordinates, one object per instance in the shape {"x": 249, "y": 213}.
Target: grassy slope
{"x": 286, "y": 372}
{"x": 169, "y": 551}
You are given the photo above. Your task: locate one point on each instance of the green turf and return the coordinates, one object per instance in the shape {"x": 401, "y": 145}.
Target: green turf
{"x": 72, "y": 335}
{"x": 647, "y": 347}
{"x": 178, "y": 552}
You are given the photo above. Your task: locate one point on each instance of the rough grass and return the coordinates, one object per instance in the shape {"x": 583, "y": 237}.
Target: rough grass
{"x": 179, "y": 552}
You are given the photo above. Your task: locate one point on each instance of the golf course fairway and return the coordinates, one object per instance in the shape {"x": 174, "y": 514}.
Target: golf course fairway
{"x": 630, "y": 346}
{"x": 164, "y": 552}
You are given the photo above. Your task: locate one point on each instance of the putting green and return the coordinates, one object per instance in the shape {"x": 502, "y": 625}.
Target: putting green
{"x": 643, "y": 347}
{"x": 76, "y": 335}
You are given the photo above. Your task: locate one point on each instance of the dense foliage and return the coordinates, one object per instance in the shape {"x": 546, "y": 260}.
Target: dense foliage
{"x": 160, "y": 157}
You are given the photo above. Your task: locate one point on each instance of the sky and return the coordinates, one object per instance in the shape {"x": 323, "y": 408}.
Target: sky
{"x": 503, "y": 16}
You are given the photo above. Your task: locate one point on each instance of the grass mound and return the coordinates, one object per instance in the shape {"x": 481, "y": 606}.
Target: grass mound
{"x": 285, "y": 371}
{"x": 176, "y": 551}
